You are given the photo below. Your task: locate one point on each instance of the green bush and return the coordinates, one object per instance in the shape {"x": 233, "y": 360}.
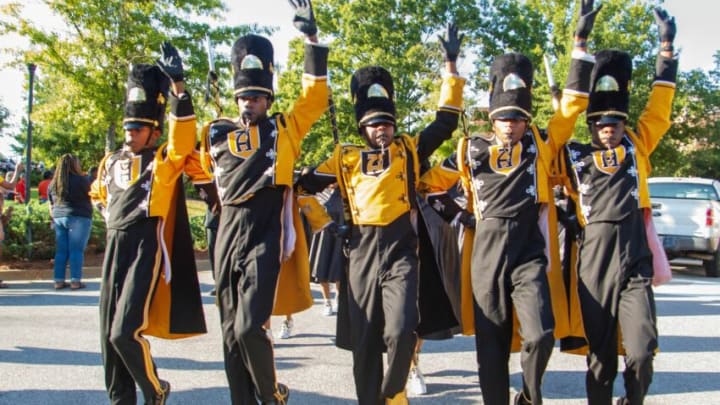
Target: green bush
{"x": 197, "y": 229}
{"x": 15, "y": 246}
{"x": 37, "y": 215}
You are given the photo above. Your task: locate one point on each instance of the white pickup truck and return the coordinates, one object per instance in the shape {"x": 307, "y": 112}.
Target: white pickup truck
{"x": 686, "y": 213}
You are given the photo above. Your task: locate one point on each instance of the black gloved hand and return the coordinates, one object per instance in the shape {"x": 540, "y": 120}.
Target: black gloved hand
{"x": 338, "y": 231}
{"x": 467, "y": 220}
{"x": 170, "y": 63}
{"x": 586, "y": 19}
{"x": 451, "y": 42}
{"x": 304, "y": 19}
{"x": 666, "y": 25}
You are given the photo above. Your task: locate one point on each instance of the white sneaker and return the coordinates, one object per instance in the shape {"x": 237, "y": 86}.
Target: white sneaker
{"x": 328, "y": 308}
{"x": 416, "y": 382}
{"x": 285, "y": 329}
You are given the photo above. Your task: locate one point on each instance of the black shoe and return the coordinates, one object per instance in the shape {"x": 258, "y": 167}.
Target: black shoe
{"x": 521, "y": 400}
{"x": 281, "y": 396}
{"x": 161, "y": 397}
{"x": 622, "y": 401}
{"x": 212, "y": 292}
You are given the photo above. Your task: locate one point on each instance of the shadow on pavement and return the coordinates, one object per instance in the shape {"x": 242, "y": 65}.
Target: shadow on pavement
{"x": 42, "y": 356}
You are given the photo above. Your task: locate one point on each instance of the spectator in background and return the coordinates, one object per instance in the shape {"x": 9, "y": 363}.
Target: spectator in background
{"x": 7, "y": 183}
{"x": 92, "y": 174}
{"x": 71, "y": 213}
{"x": 20, "y": 191}
{"x": 43, "y": 186}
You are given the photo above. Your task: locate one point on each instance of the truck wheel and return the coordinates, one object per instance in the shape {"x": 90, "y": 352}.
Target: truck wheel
{"x": 712, "y": 267}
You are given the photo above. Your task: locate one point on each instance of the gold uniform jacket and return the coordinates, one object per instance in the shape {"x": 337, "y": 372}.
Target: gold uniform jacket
{"x": 501, "y": 182}
{"x": 132, "y": 187}
{"x": 379, "y": 185}
{"x": 607, "y": 184}
{"x": 244, "y": 160}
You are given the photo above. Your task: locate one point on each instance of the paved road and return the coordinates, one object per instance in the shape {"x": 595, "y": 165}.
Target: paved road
{"x": 49, "y": 353}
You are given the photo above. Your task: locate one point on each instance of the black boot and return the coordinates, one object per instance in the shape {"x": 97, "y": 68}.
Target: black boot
{"x": 162, "y": 396}
{"x": 281, "y": 396}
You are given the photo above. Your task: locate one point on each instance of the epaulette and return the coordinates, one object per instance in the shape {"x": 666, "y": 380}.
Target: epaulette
{"x": 220, "y": 128}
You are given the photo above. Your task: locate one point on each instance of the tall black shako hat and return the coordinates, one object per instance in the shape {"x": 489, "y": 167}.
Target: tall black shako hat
{"x": 147, "y": 90}
{"x": 610, "y": 91}
{"x": 252, "y": 64}
{"x": 373, "y": 93}
{"x": 511, "y": 79}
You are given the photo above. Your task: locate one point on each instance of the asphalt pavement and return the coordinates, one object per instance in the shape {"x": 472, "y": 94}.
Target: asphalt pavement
{"x": 50, "y": 354}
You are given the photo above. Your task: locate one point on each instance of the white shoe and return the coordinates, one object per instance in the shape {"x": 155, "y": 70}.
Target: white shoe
{"x": 416, "y": 382}
{"x": 285, "y": 329}
{"x": 328, "y": 308}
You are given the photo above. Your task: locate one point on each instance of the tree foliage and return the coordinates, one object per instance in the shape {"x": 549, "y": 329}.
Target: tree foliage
{"x": 83, "y": 66}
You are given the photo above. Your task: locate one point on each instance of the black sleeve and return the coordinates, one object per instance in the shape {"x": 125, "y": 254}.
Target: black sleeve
{"x": 313, "y": 182}
{"x": 436, "y": 133}
{"x": 444, "y": 205}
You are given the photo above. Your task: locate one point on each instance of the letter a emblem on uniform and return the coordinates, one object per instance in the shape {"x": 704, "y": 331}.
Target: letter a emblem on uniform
{"x": 126, "y": 172}
{"x": 609, "y": 160}
{"x": 244, "y": 142}
{"x": 504, "y": 160}
{"x": 375, "y": 162}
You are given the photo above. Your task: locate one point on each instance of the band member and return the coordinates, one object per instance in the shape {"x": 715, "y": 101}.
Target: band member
{"x": 260, "y": 254}
{"x": 149, "y": 260}
{"x": 506, "y": 174}
{"x": 378, "y": 181}
{"x": 615, "y": 267}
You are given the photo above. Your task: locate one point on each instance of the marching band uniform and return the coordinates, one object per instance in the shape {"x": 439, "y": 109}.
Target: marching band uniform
{"x": 149, "y": 259}
{"x": 615, "y": 263}
{"x": 379, "y": 188}
{"x": 510, "y": 196}
{"x": 260, "y": 254}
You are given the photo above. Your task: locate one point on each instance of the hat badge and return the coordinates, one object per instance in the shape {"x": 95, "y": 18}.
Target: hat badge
{"x": 137, "y": 95}
{"x": 251, "y": 62}
{"x": 377, "y": 90}
{"x": 513, "y": 82}
{"x": 607, "y": 83}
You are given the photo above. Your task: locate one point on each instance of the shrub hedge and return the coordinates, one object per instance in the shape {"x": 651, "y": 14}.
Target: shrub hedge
{"x": 37, "y": 216}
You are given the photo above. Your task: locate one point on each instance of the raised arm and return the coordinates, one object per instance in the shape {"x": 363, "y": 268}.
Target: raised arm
{"x": 451, "y": 98}
{"x": 313, "y": 100}
{"x": 655, "y": 118}
{"x": 181, "y": 135}
{"x": 577, "y": 87}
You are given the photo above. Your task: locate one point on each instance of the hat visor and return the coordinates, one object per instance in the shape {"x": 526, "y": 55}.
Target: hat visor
{"x": 135, "y": 125}
{"x": 377, "y": 120}
{"x": 510, "y": 115}
{"x": 609, "y": 120}
{"x": 252, "y": 93}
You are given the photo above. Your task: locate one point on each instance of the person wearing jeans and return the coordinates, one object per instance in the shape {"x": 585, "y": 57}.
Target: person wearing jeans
{"x": 71, "y": 218}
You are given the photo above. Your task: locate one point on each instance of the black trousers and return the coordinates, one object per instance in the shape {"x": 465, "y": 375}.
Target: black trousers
{"x": 247, "y": 259}
{"x": 615, "y": 287}
{"x": 509, "y": 271}
{"x": 131, "y": 269}
{"x": 382, "y": 301}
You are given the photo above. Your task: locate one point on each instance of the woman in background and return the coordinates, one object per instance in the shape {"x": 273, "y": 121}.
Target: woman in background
{"x": 72, "y": 218}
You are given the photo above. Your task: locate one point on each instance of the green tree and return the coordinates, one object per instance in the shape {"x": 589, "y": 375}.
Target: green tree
{"x": 693, "y": 145}
{"x": 83, "y": 66}
{"x": 398, "y": 35}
